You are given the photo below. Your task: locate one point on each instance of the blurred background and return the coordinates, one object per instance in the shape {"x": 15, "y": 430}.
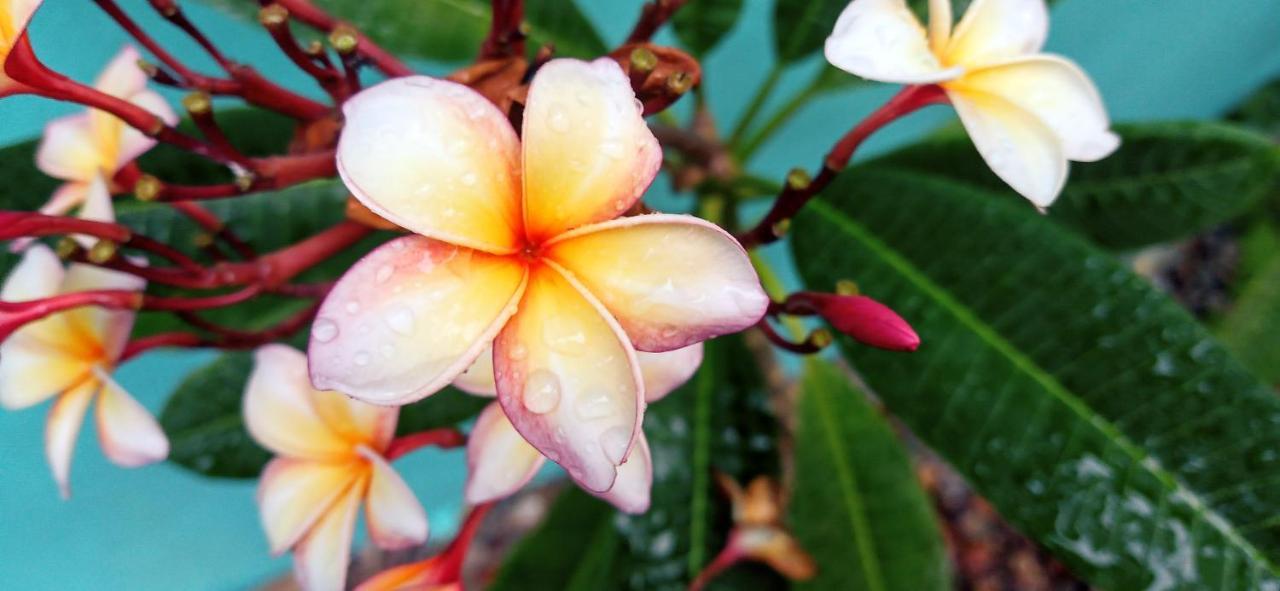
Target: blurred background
{"x": 161, "y": 527}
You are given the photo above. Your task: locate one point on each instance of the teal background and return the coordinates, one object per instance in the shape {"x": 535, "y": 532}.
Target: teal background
{"x": 160, "y": 527}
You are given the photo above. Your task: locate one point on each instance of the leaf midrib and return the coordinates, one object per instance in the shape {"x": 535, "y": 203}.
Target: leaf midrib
{"x": 997, "y": 342}
{"x": 701, "y": 466}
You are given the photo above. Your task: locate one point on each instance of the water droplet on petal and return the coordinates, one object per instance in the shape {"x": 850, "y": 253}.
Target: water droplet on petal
{"x": 384, "y": 274}
{"x": 620, "y": 205}
{"x": 361, "y": 358}
{"x": 518, "y": 352}
{"x": 614, "y": 443}
{"x": 558, "y": 120}
{"x": 541, "y": 392}
{"x": 639, "y": 106}
{"x": 401, "y": 321}
{"x": 324, "y": 330}
{"x": 352, "y": 307}
{"x": 564, "y": 335}
{"x": 595, "y": 406}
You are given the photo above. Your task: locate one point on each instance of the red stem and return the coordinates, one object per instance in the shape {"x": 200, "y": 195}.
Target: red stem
{"x": 793, "y": 198}
{"x": 455, "y": 555}
{"x": 731, "y": 555}
{"x": 21, "y": 224}
{"x": 314, "y": 17}
{"x": 443, "y": 438}
{"x": 505, "y": 38}
{"x": 652, "y": 17}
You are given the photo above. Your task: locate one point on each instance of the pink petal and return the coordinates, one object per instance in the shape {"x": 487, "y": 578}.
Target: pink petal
{"x": 478, "y": 379}
{"x": 499, "y": 460}
{"x": 65, "y": 198}
{"x": 568, "y": 379}
{"x": 437, "y": 158}
{"x": 588, "y": 154}
{"x": 409, "y": 317}
{"x": 320, "y": 559}
{"x": 664, "y": 372}
{"x": 279, "y": 408}
{"x": 294, "y": 494}
{"x": 396, "y": 519}
{"x": 670, "y": 280}
{"x": 62, "y": 428}
{"x": 630, "y": 492}
{"x": 129, "y": 435}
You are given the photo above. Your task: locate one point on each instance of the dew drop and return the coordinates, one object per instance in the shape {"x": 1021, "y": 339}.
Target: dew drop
{"x": 325, "y": 330}
{"x": 639, "y": 106}
{"x": 614, "y": 443}
{"x": 384, "y": 274}
{"x": 620, "y": 205}
{"x": 518, "y": 352}
{"x": 362, "y": 358}
{"x": 541, "y": 391}
{"x": 558, "y": 120}
{"x": 564, "y": 335}
{"x": 352, "y": 307}
{"x": 596, "y": 406}
{"x": 401, "y": 321}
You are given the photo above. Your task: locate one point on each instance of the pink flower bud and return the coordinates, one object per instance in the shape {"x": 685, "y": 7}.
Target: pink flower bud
{"x": 866, "y": 320}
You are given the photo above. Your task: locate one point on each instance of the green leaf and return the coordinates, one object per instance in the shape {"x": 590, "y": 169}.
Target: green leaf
{"x": 1167, "y": 180}
{"x": 451, "y": 30}
{"x": 575, "y": 548}
{"x": 859, "y": 509}
{"x": 1261, "y": 111}
{"x": 701, "y": 24}
{"x": 1250, "y": 329}
{"x": 205, "y": 425}
{"x": 446, "y": 408}
{"x": 801, "y": 26}
{"x": 1093, "y": 411}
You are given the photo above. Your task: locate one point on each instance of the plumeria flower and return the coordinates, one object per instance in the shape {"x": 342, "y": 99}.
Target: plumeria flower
{"x": 518, "y": 244}
{"x": 1027, "y": 112}
{"x": 500, "y": 461}
{"x": 330, "y": 459}
{"x": 69, "y": 356}
{"x": 79, "y": 148}
{"x": 15, "y": 15}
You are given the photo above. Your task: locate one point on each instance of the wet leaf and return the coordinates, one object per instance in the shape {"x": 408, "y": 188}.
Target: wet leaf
{"x": 801, "y": 26}
{"x": 1091, "y": 410}
{"x": 1251, "y": 326}
{"x": 575, "y": 548}
{"x": 701, "y": 24}
{"x": 858, "y": 508}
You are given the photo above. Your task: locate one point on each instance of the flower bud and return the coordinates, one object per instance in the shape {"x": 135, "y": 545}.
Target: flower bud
{"x": 864, "y": 319}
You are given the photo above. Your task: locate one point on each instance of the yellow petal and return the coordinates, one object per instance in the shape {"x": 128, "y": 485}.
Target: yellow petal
{"x": 62, "y": 428}
{"x": 409, "y": 317}
{"x": 478, "y": 379}
{"x": 588, "y": 155}
{"x": 437, "y": 158}
{"x": 882, "y": 40}
{"x": 1019, "y": 148}
{"x": 133, "y": 143}
{"x": 14, "y": 16}
{"x": 320, "y": 559}
{"x": 630, "y": 492}
{"x": 103, "y": 329}
{"x": 939, "y": 25}
{"x": 68, "y": 150}
{"x": 670, "y": 280}
{"x": 123, "y": 79}
{"x": 359, "y": 422}
{"x": 294, "y": 494}
{"x": 1059, "y": 94}
{"x": 499, "y": 460}
{"x": 996, "y": 30}
{"x": 279, "y": 408}
{"x": 129, "y": 435}
{"x": 32, "y": 371}
{"x": 664, "y": 372}
{"x": 568, "y": 379}
{"x": 395, "y": 518}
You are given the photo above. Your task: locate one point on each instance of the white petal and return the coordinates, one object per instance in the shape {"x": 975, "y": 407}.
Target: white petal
{"x": 129, "y": 435}
{"x": 882, "y": 40}
{"x": 279, "y": 410}
{"x": 294, "y": 494}
{"x": 499, "y": 460}
{"x": 478, "y": 379}
{"x": 68, "y": 150}
{"x": 62, "y": 428}
{"x": 664, "y": 372}
{"x": 630, "y": 492}
{"x": 1019, "y": 148}
{"x": 995, "y": 30}
{"x": 396, "y": 519}
{"x": 320, "y": 559}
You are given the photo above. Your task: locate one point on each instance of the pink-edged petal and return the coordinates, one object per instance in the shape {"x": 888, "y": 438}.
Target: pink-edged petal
{"x": 293, "y": 494}
{"x": 1059, "y": 94}
{"x": 122, "y": 77}
{"x": 499, "y": 460}
{"x": 1020, "y": 149}
{"x": 568, "y": 378}
{"x": 996, "y": 30}
{"x": 630, "y": 492}
{"x": 415, "y": 576}
{"x": 38, "y": 275}
{"x": 65, "y": 198}
{"x": 478, "y": 379}
{"x": 395, "y": 518}
{"x": 134, "y": 143}
{"x": 882, "y": 40}
{"x": 358, "y": 422}
{"x": 437, "y": 158}
{"x": 129, "y": 435}
{"x": 409, "y": 317}
{"x": 279, "y": 408}
{"x": 320, "y": 559}
{"x": 664, "y": 372}
{"x": 670, "y": 280}
{"x": 588, "y": 154}
{"x": 68, "y": 149}
{"x": 62, "y": 428}
{"x": 108, "y": 329}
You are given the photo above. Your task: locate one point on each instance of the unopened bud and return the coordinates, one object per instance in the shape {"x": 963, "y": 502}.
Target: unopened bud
{"x": 273, "y": 15}
{"x": 847, "y": 287}
{"x": 198, "y": 103}
{"x": 679, "y": 83}
{"x": 798, "y": 179}
{"x": 643, "y": 60}
{"x": 102, "y": 251}
{"x": 344, "y": 39}
{"x": 147, "y": 188}
{"x": 66, "y": 247}
{"x": 866, "y": 320}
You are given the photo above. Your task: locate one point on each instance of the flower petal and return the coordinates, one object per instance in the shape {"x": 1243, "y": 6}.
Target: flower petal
{"x": 279, "y": 408}
{"x": 293, "y": 494}
{"x": 132, "y": 143}
{"x": 358, "y": 422}
{"x": 630, "y": 492}
{"x": 882, "y": 40}
{"x": 995, "y": 30}
{"x": 68, "y": 149}
{"x": 1059, "y": 94}
{"x": 434, "y": 157}
{"x": 939, "y": 25}
{"x": 664, "y": 372}
{"x": 19, "y": 13}
{"x": 320, "y": 560}
{"x": 396, "y": 519}
{"x": 568, "y": 379}
{"x": 62, "y": 428}
{"x": 122, "y": 77}
{"x": 588, "y": 155}
{"x": 38, "y": 275}
{"x": 105, "y": 330}
{"x": 129, "y": 435}
{"x": 499, "y": 460}
{"x": 65, "y": 198}
{"x": 670, "y": 280}
{"x": 478, "y": 379}
{"x": 409, "y": 317}
{"x": 1019, "y": 148}
{"x": 415, "y": 576}
{"x": 33, "y": 370}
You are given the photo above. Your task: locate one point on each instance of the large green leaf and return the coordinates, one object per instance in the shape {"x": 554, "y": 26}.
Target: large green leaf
{"x": 1250, "y": 330}
{"x": 452, "y": 30}
{"x": 575, "y": 548}
{"x": 701, "y": 24}
{"x": 1090, "y": 409}
{"x": 801, "y": 26}
{"x": 859, "y": 509}
{"x": 1167, "y": 180}
{"x": 1261, "y": 111}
